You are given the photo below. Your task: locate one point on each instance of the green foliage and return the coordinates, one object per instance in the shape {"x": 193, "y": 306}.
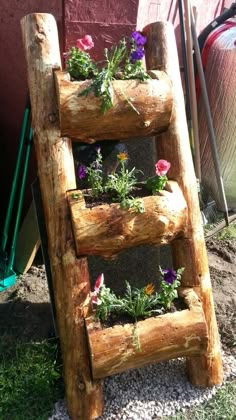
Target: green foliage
{"x": 156, "y": 183}
{"x": 168, "y": 289}
{"x": 138, "y": 302}
{"x": 118, "y": 184}
{"x": 106, "y": 303}
{"x": 80, "y": 65}
{"x": 121, "y": 184}
{"x": 95, "y": 175}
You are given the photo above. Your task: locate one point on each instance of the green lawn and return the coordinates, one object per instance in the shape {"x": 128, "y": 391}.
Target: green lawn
{"x": 30, "y": 380}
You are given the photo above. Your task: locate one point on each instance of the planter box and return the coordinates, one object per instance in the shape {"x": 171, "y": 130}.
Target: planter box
{"x": 179, "y": 334}
{"x": 106, "y": 230}
{"x": 81, "y": 118}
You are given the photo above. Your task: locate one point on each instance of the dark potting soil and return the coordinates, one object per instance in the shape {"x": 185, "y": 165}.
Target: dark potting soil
{"x": 139, "y": 191}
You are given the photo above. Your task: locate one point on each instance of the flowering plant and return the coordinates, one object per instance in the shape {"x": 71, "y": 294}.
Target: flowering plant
{"x": 122, "y": 61}
{"x": 157, "y": 183}
{"x": 137, "y": 303}
{"x": 118, "y": 184}
{"x": 170, "y": 281}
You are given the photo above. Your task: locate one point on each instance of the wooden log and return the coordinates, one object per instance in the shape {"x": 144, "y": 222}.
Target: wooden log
{"x": 106, "y": 230}
{"x": 114, "y": 350}
{"x": 82, "y": 118}
{"x": 173, "y": 146}
{"x": 56, "y": 175}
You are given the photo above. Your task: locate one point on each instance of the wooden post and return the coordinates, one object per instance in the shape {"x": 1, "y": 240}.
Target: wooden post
{"x": 56, "y": 175}
{"x": 190, "y": 252}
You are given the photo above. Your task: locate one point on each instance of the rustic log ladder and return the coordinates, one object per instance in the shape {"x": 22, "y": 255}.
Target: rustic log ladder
{"x": 195, "y": 333}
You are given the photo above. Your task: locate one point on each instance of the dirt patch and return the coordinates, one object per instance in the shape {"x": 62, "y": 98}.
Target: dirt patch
{"x": 25, "y": 310}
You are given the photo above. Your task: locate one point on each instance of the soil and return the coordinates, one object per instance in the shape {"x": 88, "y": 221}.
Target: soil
{"x": 25, "y": 309}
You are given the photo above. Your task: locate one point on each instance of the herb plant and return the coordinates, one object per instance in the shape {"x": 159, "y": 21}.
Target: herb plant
{"x": 121, "y": 184}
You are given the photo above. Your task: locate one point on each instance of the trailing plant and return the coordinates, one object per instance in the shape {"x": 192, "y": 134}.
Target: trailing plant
{"x": 122, "y": 61}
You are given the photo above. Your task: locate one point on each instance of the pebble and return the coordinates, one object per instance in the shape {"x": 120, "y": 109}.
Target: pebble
{"x": 151, "y": 392}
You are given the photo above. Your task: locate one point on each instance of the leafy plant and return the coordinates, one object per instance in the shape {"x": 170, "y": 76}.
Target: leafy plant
{"x": 122, "y": 61}
{"x": 157, "y": 183}
{"x": 121, "y": 184}
{"x": 140, "y": 303}
{"x": 170, "y": 281}
{"x": 118, "y": 184}
{"x": 137, "y": 303}
{"x": 78, "y": 62}
{"x": 95, "y": 174}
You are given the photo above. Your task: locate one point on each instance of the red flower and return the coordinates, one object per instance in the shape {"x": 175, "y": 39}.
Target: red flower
{"x": 162, "y": 167}
{"x": 85, "y": 43}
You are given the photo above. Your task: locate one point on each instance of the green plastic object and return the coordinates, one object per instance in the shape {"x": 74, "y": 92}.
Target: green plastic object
{"x": 8, "y": 281}
{"x": 7, "y": 275}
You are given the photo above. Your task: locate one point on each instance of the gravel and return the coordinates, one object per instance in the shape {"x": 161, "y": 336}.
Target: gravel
{"x": 151, "y": 392}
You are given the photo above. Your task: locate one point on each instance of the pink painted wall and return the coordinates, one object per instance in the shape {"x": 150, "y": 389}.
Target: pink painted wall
{"x": 106, "y": 20}
{"x": 13, "y": 85}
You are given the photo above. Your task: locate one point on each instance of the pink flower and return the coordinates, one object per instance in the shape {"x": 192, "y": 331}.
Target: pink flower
{"x": 99, "y": 282}
{"x": 85, "y": 43}
{"x": 162, "y": 167}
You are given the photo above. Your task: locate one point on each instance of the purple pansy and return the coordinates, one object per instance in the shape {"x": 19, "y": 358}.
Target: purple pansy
{"x": 139, "y": 39}
{"x": 136, "y": 55}
{"x": 169, "y": 276}
{"x": 81, "y": 171}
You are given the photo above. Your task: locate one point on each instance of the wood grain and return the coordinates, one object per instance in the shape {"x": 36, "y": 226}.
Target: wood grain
{"x": 82, "y": 119}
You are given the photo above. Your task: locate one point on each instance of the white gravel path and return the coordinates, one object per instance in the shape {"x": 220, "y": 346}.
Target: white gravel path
{"x": 151, "y": 392}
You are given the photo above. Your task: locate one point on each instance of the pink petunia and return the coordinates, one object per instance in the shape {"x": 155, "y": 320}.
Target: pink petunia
{"x": 162, "y": 167}
{"x": 99, "y": 282}
{"x": 85, "y": 43}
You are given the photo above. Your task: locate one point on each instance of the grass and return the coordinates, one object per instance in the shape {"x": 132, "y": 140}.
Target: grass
{"x": 221, "y": 406}
{"x": 228, "y": 232}
{"x": 30, "y": 380}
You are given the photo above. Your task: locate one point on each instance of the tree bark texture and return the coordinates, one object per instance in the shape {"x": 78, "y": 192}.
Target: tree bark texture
{"x": 56, "y": 175}
{"x": 190, "y": 251}
{"x": 106, "y": 230}
{"x": 139, "y": 108}
{"x": 114, "y": 350}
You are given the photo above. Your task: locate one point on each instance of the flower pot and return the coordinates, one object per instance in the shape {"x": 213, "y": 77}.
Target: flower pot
{"x": 140, "y": 108}
{"x": 106, "y": 230}
{"x": 113, "y": 350}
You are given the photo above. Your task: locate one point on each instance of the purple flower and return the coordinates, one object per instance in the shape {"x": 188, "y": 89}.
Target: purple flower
{"x": 81, "y": 171}
{"x": 169, "y": 276}
{"x": 136, "y": 55}
{"x": 139, "y": 39}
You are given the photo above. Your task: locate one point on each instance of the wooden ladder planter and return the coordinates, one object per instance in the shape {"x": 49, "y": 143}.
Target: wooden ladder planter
{"x": 174, "y": 217}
